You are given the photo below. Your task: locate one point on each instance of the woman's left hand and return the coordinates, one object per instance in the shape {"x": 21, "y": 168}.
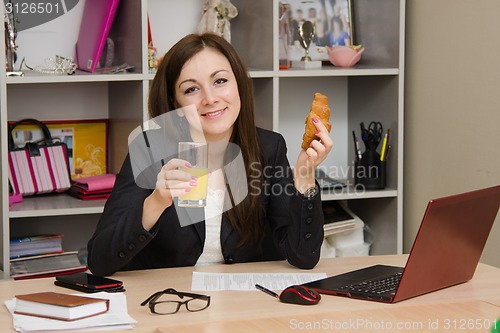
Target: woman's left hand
{"x": 313, "y": 156}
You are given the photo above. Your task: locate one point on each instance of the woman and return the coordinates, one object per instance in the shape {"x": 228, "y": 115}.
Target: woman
{"x": 280, "y": 218}
{"x": 339, "y": 36}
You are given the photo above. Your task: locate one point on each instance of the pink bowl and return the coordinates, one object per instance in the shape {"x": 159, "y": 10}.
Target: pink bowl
{"x": 344, "y": 56}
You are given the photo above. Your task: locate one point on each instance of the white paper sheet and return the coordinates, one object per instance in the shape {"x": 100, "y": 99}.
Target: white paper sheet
{"x": 117, "y": 317}
{"x": 246, "y": 281}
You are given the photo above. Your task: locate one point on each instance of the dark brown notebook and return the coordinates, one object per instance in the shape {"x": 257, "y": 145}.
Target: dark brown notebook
{"x": 60, "y": 306}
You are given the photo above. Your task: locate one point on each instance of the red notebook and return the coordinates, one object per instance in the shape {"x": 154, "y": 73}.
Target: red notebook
{"x": 93, "y": 187}
{"x": 96, "y": 22}
{"x": 95, "y": 183}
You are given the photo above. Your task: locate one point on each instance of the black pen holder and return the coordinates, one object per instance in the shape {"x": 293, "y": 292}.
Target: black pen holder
{"x": 370, "y": 171}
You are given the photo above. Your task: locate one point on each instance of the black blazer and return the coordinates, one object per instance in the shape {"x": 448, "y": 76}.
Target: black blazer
{"x": 293, "y": 225}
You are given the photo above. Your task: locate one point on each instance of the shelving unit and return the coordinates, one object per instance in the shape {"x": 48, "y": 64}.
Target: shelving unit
{"x": 373, "y": 90}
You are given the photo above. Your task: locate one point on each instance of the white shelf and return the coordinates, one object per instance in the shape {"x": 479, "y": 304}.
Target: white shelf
{"x": 350, "y": 192}
{"x": 336, "y": 71}
{"x": 54, "y": 205}
{"x": 35, "y": 77}
{"x": 257, "y": 74}
{"x": 325, "y": 71}
{"x": 60, "y": 204}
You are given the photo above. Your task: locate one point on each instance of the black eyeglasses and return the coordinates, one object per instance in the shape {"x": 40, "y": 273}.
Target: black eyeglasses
{"x": 196, "y": 302}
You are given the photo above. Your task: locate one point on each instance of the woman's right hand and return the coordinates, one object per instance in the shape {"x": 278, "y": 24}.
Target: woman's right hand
{"x": 172, "y": 181}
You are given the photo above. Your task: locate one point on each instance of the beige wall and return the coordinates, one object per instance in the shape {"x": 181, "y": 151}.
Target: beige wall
{"x": 452, "y": 106}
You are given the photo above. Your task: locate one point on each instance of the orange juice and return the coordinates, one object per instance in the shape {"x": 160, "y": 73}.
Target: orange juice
{"x": 199, "y": 192}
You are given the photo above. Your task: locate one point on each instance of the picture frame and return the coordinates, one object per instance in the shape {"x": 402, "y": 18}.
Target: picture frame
{"x": 333, "y": 26}
{"x": 86, "y": 141}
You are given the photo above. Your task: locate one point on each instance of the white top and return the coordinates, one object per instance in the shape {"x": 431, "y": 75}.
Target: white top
{"x": 212, "y": 251}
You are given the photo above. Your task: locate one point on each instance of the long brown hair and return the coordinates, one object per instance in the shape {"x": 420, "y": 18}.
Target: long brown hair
{"x": 246, "y": 217}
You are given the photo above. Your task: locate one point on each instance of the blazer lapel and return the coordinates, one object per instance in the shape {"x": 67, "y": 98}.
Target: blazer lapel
{"x": 225, "y": 229}
{"x": 200, "y": 229}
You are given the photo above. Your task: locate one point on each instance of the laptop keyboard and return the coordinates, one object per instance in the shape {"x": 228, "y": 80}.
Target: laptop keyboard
{"x": 381, "y": 286}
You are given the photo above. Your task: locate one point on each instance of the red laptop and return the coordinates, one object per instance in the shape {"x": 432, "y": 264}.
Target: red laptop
{"x": 446, "y": 252}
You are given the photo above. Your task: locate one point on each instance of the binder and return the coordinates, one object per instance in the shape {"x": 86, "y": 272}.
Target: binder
{"x": 96, "y": 23}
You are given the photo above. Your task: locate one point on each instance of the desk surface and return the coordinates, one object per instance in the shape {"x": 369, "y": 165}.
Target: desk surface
{"x": 469, "y": 307}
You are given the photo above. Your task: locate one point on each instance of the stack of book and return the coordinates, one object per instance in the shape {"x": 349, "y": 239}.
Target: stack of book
{"x": 344, "y": 232}
{"x": 42, "y": 256}
{"x": 93, "y": 187}
{"x": 46, "y": 265}
{"x": 337, "y": 218}
{"x": 35, "y": 245}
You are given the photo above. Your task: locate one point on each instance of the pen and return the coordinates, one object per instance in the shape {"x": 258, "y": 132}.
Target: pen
{"x": 383, "y": 152}
{"x": 388, "y": 149}
{"x": 357, "y": 152}
{"x": 267, "y": 291}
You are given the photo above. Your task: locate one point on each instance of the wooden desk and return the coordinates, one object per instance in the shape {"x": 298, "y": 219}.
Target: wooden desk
{"x": 468, "y": 307}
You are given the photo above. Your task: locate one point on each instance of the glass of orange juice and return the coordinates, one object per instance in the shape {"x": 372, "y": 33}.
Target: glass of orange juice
{"x": 195, "y": 153}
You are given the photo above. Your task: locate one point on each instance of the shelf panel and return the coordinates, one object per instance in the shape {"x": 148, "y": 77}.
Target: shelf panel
{"x": 257, "y": 74}
{"x": 337, "y": 71}
{"x": 325, "y": 71}
{"x": 254, "y": 73}
{"x": 55, "y": 205}
{"x": 61, "y": 204}
{"x": 79, "y": 76}
{"x": 351, "y": 193}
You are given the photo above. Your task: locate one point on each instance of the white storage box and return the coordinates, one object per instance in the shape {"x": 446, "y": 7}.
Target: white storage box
{"x": 327, "y": 251}
{"x": 354, "y": 251}
{"x": 348, "y": 238}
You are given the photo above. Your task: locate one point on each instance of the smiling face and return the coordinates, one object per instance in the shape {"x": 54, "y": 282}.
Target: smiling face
{"x": 207, "y": 81}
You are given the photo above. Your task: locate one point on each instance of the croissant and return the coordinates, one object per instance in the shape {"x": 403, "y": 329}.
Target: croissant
{"x": 320, "y": 110}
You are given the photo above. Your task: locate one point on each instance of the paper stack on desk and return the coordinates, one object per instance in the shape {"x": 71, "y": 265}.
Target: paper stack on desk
{"x": 117, "y": 317}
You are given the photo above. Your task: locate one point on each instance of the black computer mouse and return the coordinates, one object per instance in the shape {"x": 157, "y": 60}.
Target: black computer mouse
{"x": 299, "y": 295}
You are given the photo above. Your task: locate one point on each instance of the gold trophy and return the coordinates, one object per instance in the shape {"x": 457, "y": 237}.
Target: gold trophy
{"x": 306, "y": 35}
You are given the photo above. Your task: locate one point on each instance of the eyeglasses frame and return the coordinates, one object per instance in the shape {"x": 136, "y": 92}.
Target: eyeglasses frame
{"x": 151, "y": 300}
